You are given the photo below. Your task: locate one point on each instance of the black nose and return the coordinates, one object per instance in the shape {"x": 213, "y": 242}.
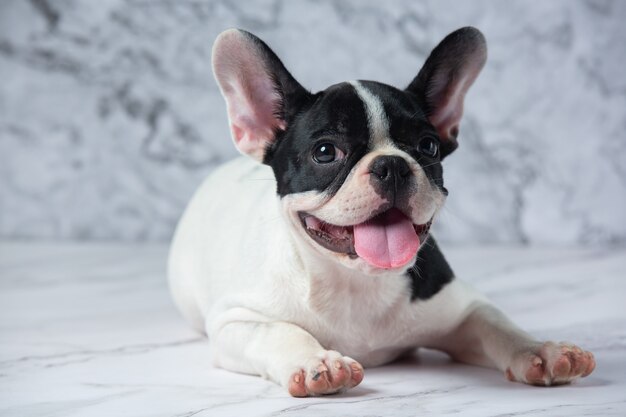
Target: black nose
{"x": 390, "y": 171}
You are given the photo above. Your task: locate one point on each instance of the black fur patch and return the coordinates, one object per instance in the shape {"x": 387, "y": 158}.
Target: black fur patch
{"x": 336, "y": 115}
{"x": 430, "y": 273}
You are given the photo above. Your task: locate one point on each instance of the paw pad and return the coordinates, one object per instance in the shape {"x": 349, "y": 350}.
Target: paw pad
{"x": 551, "y": 364}
{"x": 327, "y": 374}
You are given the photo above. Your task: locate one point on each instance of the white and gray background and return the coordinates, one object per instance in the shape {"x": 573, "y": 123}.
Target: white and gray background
{"x": 110, "y": 117}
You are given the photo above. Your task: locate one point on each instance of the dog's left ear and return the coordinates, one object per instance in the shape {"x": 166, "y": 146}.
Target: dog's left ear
{"x": 444, "y": 79}
{"x": 260, "y": 93}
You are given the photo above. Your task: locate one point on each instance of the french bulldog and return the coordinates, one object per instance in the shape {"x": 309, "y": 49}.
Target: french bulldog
{"x": 311, "y": 257}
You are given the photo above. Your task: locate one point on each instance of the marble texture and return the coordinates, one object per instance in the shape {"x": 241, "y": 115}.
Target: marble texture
{"x": 110, "y": 118}
{"x": 89, "y": 330}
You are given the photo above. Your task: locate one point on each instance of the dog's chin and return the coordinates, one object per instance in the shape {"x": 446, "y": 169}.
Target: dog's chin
{"x": 340, "y": 240}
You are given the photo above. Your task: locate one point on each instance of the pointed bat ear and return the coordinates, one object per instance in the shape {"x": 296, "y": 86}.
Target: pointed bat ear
{"x": 443, "y": 81}
{"x": 258, "y": 90}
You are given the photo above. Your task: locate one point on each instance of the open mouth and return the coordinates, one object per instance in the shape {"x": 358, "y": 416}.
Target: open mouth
{"x": 387, "y": 240}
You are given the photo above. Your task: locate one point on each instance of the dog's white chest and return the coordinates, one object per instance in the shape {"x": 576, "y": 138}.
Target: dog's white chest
{"x": 374, "y": 320}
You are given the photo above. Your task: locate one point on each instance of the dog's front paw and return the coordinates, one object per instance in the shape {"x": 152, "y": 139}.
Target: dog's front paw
{"x": 326, "y": 373}
{"x": 551, "y": 364}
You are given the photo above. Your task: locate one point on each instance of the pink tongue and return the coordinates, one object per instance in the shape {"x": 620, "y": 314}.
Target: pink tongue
{"x": 386, "y": 241}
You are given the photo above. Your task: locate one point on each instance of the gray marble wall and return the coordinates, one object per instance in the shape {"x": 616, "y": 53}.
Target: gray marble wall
{"x": 109, "y": 115}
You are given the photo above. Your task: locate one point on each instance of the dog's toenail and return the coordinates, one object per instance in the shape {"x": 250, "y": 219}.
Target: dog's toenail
{"x": 338, "y": 365}
{"x": 317, "y": 376}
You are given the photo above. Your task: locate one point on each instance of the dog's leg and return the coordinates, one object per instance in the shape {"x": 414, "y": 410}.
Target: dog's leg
{"x": 488, "y": 338}
{"x": 282, "y": 352}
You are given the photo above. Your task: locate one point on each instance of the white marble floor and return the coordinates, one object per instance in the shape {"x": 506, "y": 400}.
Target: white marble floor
{"x": 89, "y": 330}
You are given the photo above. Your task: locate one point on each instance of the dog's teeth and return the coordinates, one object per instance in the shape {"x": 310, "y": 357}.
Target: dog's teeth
{"x": 312, "y": 222}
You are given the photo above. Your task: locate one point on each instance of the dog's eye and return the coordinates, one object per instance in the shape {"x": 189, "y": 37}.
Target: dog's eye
{"x": 429, "y": 147}
{"x": 325, "y": 153}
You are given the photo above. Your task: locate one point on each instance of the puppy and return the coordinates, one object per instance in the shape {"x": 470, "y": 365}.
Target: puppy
{"x": 312, "y": 258}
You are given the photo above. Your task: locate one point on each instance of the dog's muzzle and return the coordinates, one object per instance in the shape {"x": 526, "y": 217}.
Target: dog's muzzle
{"x": 387, "y": 240}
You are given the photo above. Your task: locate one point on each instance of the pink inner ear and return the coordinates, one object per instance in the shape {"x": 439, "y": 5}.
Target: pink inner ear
{"x": 252, "y": 119}
{"x": 251, "y": 97}
{"x": 446, "y": 95}
{"x": 449, "y": 108}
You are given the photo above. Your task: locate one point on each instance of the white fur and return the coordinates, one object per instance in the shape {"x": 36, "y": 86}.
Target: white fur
{"x": 243, "y": 273}
{"x": 236, "y": 261}
{"x": 376, "y": 117}
{"x": 243, "y": 270}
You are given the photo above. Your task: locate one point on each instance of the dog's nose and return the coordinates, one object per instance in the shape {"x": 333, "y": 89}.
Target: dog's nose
{"x": 392, "y": 171}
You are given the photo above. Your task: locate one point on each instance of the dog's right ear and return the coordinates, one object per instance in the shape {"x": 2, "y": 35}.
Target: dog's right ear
{"x": 260, "y": 93}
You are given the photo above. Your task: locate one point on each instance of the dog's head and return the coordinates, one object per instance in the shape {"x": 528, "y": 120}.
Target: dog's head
{"x": 358, "y": 165}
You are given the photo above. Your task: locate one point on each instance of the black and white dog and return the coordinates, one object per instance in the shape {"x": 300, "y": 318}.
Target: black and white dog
{"x": 312, "y": 257}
